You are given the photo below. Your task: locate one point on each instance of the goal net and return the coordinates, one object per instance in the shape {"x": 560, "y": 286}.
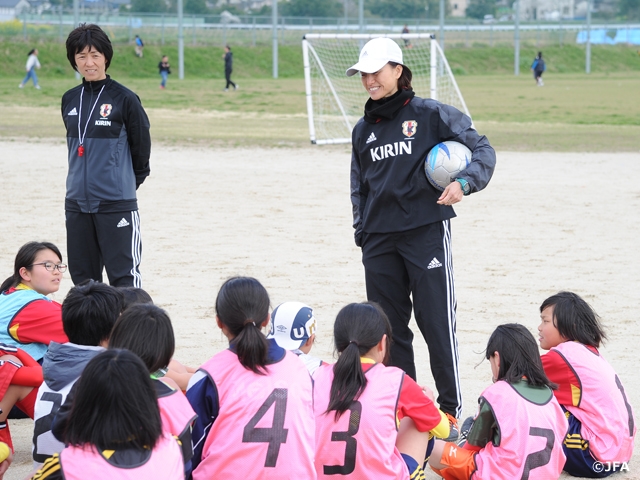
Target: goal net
{"x": 335, "y": 102}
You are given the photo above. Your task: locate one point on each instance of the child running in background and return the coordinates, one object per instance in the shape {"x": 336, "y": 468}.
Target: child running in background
{"x": 253, "y": 400}
{"x": 519, "y": 428}
{"x": 293, "y": 327}
{"x": 176, "y": 371}
{"x": 601, "y": 422}
{"x": 372, "y": 421}
{"x": 114, "y": 429}
{"x": 146, "y": 330}
{"x": 89, "y": 312}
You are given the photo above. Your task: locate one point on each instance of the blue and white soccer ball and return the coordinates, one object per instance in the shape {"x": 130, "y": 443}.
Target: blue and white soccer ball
{"x": 444, "y": 162}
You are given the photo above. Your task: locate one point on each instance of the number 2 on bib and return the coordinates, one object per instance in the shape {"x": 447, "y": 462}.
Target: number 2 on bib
{"x": 276, "y": 435}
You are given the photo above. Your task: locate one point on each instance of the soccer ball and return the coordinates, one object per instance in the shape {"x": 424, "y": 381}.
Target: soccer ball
{"x": 444, "y": 162}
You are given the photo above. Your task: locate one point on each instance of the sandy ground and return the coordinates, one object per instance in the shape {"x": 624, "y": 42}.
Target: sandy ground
{"x": 546, "y": 222}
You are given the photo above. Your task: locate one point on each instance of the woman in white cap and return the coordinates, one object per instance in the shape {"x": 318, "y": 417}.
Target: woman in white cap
{"x": 401, "y": 222}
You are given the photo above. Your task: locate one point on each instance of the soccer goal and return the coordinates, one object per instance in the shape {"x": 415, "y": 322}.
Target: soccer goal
{"x": 335, "y": 102}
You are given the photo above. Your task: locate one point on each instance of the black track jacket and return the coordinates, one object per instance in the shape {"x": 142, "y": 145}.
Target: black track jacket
{"x": 117, "y": 147}
{"x": 389, "y": 188}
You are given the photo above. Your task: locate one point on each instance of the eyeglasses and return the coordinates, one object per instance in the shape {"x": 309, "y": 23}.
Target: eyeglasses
{"x": 51, "y": 267}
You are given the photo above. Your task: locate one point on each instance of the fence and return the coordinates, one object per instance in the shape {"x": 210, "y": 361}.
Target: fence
{"x": 254, "y": 30}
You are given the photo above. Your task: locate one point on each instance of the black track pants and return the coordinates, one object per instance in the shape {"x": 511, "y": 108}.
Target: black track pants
{"x": 418, "y": 263}
{"x": 227, "y": 76}
{"x": 109, "y": 240}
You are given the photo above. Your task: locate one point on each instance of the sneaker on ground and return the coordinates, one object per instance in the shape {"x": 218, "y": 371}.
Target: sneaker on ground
{"x": 464, "y": 430}
{"x": 226, "y": 89}
{"x": 38, "y": 87}
{"x": 21, "y": 86}
{"x": 236, "y": 87}
{"x": 454, "y": 431}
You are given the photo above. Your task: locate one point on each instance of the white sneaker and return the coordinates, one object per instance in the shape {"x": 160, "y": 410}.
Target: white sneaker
{"x": 236, "y": 87}
{"x": 38, "y": 87}
{"x": 20, "y": 86}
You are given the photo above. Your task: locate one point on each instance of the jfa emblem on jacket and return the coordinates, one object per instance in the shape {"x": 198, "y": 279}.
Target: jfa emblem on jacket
{"x": 105, "y": 110}
{"x": 409, "y": 128}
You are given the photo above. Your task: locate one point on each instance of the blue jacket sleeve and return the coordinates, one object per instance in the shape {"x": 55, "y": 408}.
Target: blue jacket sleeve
{"x": 203, "y": 397}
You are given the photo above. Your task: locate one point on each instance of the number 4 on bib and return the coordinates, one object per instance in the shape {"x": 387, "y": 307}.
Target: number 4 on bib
{"x": 276, "y": 435}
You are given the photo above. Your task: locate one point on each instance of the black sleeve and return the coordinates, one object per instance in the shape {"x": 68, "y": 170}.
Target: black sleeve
{"x": 139, "y": 137}
{"x": 456, "y": 126}
{"x": 60, "y": 421}
{"x": 358, "y": 193}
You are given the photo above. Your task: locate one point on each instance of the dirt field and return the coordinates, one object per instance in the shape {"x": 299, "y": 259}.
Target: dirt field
{"x": 546, "y": 222}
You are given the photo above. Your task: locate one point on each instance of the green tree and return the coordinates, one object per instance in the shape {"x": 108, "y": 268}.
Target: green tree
{"x": 630, "y": 9}
{"x": 407, "y": 8}
{"x": 311, "y": 8}
{"x": 479, "y": 8}
{"x": 195, "y": 7}
{"x": 151, "y": 6}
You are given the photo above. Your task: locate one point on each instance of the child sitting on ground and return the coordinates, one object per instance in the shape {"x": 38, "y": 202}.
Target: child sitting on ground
{"x": 601, "y": 422}
{"x": 89, "y": 312}
{"x": 372, "y": 421}
{"x": 146, "y": 330}
{"x": 254, "y": 400}
{"x": 114, "y": 429}
{"x": 293, "y": 327}
{"x": 176, "y": 371}
{"x": 519, "y": 427}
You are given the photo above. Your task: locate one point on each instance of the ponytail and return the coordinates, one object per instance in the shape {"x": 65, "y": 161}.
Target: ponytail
{"x": 251, "y": 346}
{"x": 240, "y": 301}
{"x": 349, "y": 380}
{"x": 358, "y": 328}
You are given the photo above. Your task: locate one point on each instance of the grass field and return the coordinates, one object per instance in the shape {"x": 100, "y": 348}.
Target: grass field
{"x": 572, "y": 112}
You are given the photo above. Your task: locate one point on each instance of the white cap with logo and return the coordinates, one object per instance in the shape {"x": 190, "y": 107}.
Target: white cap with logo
{"x": 376, "y": 54}
{"x": 292, "y": 323}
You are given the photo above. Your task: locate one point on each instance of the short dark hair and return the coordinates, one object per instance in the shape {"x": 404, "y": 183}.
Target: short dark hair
{"x": 145, "y": 330}
{"x": 115, "y": 405}
{"x": 25, "y": 258}
{"x": 134, "y": 296}
{"x": 33, "y": 50}
{"x": 404, "y": 82}
{"x": 88, "y": 35}
{"x": 242, "y": 305}
{"x": 575, "y": 319}
{"x": 89, "y": 312}
{"x": 358, "y": 328}
{"x": 519, "y": 355}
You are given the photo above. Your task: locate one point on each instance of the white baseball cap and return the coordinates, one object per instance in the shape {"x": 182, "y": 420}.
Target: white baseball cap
{"x": 292, "y": 323}
{"x": 376, "y": 54}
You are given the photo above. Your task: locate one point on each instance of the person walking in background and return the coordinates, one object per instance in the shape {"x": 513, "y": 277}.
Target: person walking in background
{"x": 538, "y": 67}
{"x": 32, "y": 64}
{"x": 139, "y": 46}
{"x": 165, "y": 70}
{"x": 228, "y": 67}
{"x": 109, "y": 148}
{"x": 407, "y": 42}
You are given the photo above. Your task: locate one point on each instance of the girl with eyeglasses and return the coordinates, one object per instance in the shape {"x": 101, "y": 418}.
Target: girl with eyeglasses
{"x": 29, "y": 321}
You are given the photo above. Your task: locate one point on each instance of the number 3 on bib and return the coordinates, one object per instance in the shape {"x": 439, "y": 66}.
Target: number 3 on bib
{"x": 276, "y": 435}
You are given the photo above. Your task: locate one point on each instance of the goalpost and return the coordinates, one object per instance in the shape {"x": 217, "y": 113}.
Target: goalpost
{"x": 335, "y": 102}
